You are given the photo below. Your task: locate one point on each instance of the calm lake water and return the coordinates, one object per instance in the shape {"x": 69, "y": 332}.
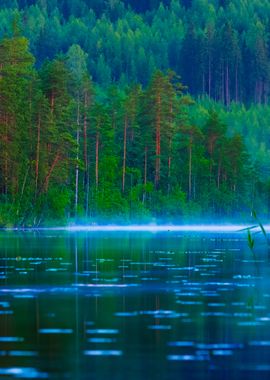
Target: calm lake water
{"x": 133, "y": 305}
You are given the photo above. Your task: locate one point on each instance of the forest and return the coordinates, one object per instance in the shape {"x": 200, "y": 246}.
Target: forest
{"x": 114, "y": 111}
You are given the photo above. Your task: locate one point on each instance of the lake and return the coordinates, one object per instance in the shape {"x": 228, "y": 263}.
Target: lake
{"x": 134, "y": 305}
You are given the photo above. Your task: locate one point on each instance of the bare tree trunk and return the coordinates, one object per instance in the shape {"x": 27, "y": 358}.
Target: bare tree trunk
{"x": 77, "y": 158}
{"x": 48, "y": 176}
{"x": 209, "y": 76}
{"x": 257, "y": 92}
{"x": 37, "y": 152}
{"x": 169, "y": 165}
{"x": 145, "y": 171}
{"x": 222, "y": 83}
{"x": 170, "y": 147}
{"x": 203, "y": 83}
{"x": 194, "y": 187}
{"x": 260, "y": 91}
{"x": 86, "y": 163}
{"x": 124, "y": 155}
{"x": 265, "y": 92}
{"x": 87, "y": 189}
{"x": 236, "y": 82}
{"x": 30, "y": 120}
{"x": 190, "y": 170}
{"x": 52, "y": 102}
{"x": 158, "y": 125}
{"x": 23, "y": 188}
{"x": 219, "y": 172}
{"x": 6, "y": 157}
{"x": 227, "y": 86}
{"x": 97, "y": 159}
{"x": 235, "y": 176}
{"x": 211, "y": 150}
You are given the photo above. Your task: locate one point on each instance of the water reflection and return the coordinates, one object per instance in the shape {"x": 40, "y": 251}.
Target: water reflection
{"x": 85, "y": 305}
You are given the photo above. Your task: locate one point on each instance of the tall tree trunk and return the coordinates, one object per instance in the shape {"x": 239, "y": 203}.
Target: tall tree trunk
{"x": 203, "y": 83}
{"x": 209, "y": 76}
{"x": 260, "y": 90}
{"x": 52, "y": 101}
{"x": 169, "y": 173}
{"x": 222, "y": 83}
{"x": 158, "y": 127}
{"x": 170, "y": 147}
{"x": 37, "y": 152}
{"x": 190, "y": 170}
{"x": 227, "y": 87}
{"x": 77, "y": 158}
{"x": 124, "y": 155}
{"x": 145, "y": 171}
{"x": 235, "y": 178}
{"x": 218, "y": 174}
{"x": 194, "y": 187}
{"x": 211, "y": 151}
{"x": 48, "y": 176}
{"x": 23, "y": 187}
{"x": 97, "y": 159}
{"x": 6, "y": 157}
{"x": 86, "y": 163}
{"x": 256, "y": 92}
{"x": 265, "y": 92}
{"x": 87, "y": 195}
{"x": 31, "y": 139}
{"x": 236, "y": 82}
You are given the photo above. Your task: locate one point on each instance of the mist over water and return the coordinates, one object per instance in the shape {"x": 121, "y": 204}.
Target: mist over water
{"x": 219, "y": 228}
{"x": 94, "y": 304}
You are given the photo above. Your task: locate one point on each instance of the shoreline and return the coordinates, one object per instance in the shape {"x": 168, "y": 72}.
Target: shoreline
{"x": 221, "y": 228}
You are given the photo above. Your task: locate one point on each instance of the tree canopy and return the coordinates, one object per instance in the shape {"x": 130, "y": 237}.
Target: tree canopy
{"x": 133, "y": 112}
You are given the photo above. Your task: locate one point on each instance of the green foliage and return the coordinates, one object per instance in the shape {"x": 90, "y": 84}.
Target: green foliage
{"x": 221, "y": 48}
{"x": 7, "y": 214}
{"x": 74, "y": 149}
{"x": 58, "y": 201}
{"x": 110, "y": 204}
{"x": 172, "y": 206}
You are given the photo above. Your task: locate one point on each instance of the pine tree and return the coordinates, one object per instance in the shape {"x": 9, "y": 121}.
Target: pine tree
{"x": 16, "y": 73}
{"x": 60, "y": 135}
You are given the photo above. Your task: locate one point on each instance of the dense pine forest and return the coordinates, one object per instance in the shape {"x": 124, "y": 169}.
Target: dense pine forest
{"x": 135, "y": 111}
